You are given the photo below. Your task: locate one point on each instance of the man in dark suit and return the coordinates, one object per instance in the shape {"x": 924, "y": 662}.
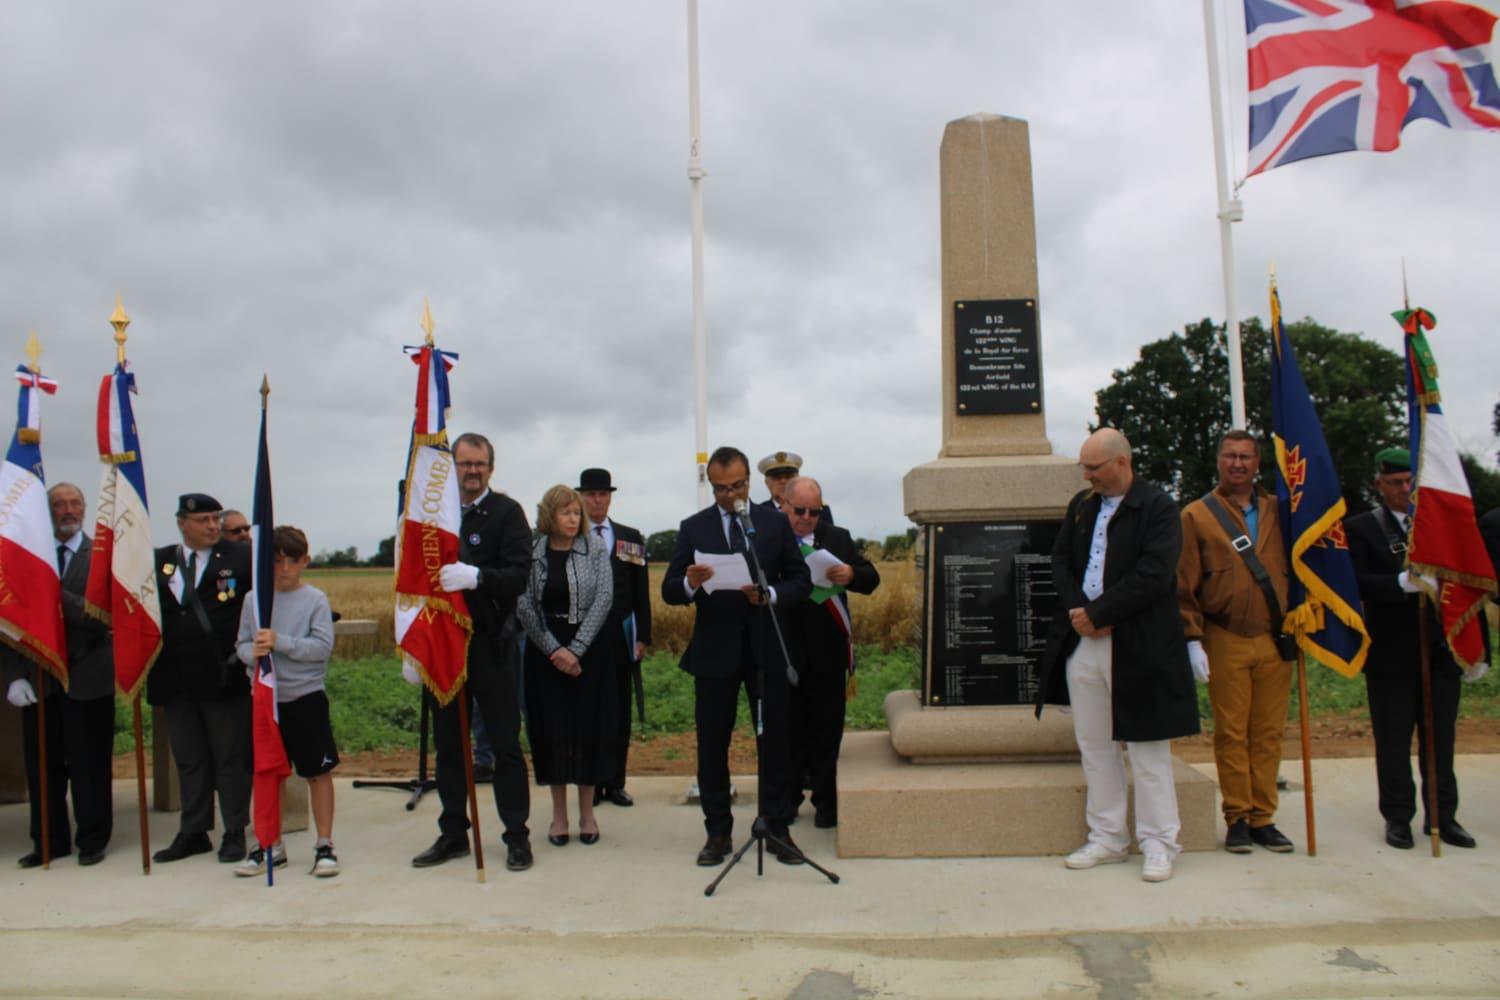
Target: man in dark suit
{"x": 629, "y": 625}
{"x": 819, "y": 634}
{"x": 1117, "y": 653}
{"x": 81, "y": 723}
{"x": 199, "y": 681}
{"x": 494, "y": 558}
{"x": 734, "y": 645}
{"x": 1393, "y": 668}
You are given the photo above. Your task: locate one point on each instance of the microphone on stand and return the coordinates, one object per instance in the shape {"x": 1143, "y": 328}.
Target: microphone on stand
{"x": 742, "y": 512}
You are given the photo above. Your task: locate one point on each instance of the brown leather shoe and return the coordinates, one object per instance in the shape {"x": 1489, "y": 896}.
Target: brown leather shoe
{"x": 715, "y": 850}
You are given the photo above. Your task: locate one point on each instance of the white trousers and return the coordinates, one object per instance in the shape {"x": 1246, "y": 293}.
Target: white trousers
{"x": 1090, "y": 675}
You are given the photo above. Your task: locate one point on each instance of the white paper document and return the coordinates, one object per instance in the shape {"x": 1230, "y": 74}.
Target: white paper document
{"x": 820, "y": 561}
{"x": 730, "y": 570}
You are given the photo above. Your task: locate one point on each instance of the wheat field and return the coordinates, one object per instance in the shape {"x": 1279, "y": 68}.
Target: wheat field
{"x": 887, "y": 618}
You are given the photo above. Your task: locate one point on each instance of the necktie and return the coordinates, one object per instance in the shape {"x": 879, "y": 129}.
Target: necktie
{"x": 62, "y": 559}
{"x": 190, "y": 580}
{"x": 599, "y": 530}
{"x": 736, "y": 535}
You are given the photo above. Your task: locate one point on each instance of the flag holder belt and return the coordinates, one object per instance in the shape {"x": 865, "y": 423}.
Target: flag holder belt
{"x": 1246, "y": 548}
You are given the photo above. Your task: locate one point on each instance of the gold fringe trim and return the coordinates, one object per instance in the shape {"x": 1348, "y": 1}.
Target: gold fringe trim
{"x": 96, "y": 612}
{"x": 119, "y": 457}
{"x": 28, "y": 435}
{"x": 28, "y": 646}
{"x": 440, "y": 439}
{"x": 135, "y": 692}
{"x": 1480, "y": 583}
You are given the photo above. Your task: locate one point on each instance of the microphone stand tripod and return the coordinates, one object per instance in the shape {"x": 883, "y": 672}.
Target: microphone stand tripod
{"x": 760, "y": 831}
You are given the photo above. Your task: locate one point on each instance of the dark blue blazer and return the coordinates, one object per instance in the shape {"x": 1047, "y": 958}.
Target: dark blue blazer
{"x": 727, "y": 626}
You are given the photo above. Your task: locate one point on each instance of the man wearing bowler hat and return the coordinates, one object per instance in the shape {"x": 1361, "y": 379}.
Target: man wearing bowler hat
{"x": 628, "y": 629}
{"x": 199, "y": 682}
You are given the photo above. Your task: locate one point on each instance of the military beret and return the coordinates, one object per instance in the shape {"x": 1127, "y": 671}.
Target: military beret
{"x": 197, "y": 503}
{"x": 778, "y": 461}
{"x": 1393, "y": 460}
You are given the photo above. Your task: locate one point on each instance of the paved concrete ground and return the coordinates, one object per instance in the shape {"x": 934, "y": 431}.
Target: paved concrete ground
{"x": 628, "y": 918}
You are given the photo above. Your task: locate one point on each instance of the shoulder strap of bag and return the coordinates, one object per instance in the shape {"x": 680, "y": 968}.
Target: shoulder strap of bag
{"x": 1246, "y": 548}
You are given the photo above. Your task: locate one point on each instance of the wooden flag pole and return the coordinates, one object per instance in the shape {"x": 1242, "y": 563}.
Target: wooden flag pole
{"x": 1429, "y": 743}
{"x": 44, "y": 807}
{"x": 140, "y": 786}
{"x": 468, "y": 755}
{"x": 1307, "y": 778}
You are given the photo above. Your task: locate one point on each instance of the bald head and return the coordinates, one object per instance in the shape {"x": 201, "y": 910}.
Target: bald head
{"x": 1105, "y": 461}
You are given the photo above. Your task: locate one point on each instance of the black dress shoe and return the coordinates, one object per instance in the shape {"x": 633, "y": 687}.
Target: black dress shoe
{"x": 87, "y": 858}
{"x": 32, "y": 860}
{"x": 484, "y": 772}
{"x": 518, "y": 855}
{"x": 184, "y": 845}
{"x": 826, "y": 819}
{"x": 784, "y": 849}
{"x": 232, "y": 847}
{"x": 1398, "y": 834}
{"x": 1451, "y": 833}
{"x": 1272, "y": 839}
{"x": 619, "y": 797}
{"x": 443, "y": 849}
{"x": 1237, "y": 839}
{"x": 715, "y": 850}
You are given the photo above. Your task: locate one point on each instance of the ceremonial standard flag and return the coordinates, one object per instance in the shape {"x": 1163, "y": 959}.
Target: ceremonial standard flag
{"x": 1445, "y": 544}
{"x": 30, "y": 590}
{"x": 122, "y": 572}
{"x": 1328, "y": 76}
{"x": 270, "y": 754}
{"x": 432, "y": 625}
{"x": 1322, "y": 593}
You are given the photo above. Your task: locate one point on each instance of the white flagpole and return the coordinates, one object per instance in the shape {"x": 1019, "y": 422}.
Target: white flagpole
{"x": 1230, "y": 212}
{"x": 696, "y": 173}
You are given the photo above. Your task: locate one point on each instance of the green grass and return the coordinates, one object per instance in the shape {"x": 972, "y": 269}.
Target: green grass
{"x": 374, "y": 709}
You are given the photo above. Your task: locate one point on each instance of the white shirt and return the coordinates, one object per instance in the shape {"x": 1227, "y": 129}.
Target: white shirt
{"x": 175, "y": 583}
{"x": 1093, "y": 575}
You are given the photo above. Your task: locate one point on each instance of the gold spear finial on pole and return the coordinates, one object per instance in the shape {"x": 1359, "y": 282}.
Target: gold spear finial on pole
{"x": 33, "y": 353}
{"x": 119, "y": 321}
{"x": 265, "y": 389}
{"x": 427, "y": 324}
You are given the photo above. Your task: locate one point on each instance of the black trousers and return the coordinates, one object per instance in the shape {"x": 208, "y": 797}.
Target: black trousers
{"x": 492, "y": 684}
{"x": 817, "y": 733}
{"x": 715, "y": 703}
{"x": 625, "y": 699}
{"x": 80, "y": 751}
{"x": 1395, "y": 712}
{"x": 211, "y": 743}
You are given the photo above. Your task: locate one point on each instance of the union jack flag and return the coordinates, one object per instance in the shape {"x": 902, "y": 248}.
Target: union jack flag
{"x": 1329, "y": 76}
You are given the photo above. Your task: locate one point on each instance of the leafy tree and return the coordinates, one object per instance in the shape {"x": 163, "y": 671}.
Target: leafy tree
{"x": 898, "y": 547}
{"x": 1173, "y": 403}
{"x": 336, "y": 558}
{"x": 660, "y": 545}
{"x": 1484, "y": 484}
{"x": 385, "y": 553}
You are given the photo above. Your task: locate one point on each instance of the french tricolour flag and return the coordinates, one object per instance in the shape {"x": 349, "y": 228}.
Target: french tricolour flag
{"x": 270, "y": 753}
{"x": 30, "y": 591}
{"x": 432, "y": 625}
{"x": 122, "y": 573}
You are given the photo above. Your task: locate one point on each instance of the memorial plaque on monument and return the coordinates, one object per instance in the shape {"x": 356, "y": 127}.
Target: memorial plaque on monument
{"x": 997, "y": 359}
{"x": 988, "y": 588}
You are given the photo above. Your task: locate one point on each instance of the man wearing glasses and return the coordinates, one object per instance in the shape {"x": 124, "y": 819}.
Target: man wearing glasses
{"x": 236, "y": 527}
{"x": 778, "y": 469}
{"x": 732, "y": 640}
{"x": 820, "y": 635}
{"x": 199, "y": 681}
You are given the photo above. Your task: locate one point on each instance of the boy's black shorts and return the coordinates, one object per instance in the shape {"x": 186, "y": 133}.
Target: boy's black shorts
{"x": 307, "y": 734}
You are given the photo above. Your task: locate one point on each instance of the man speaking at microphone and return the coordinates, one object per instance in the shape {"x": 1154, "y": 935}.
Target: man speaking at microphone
{"x": 733, "y": 638}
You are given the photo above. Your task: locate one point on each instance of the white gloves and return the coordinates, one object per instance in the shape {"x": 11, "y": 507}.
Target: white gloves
{"x": 20, "y": 693}
{"x": 1415, "y": 583}
{"x": 458, "y": 576}
{"x": 409, "y": 673}
{"x": 1476, "y": 672}
{"x": 1199, "y": 659}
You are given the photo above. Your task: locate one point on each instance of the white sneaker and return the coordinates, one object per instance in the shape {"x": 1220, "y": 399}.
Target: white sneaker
{"x": 255, "y": 862}
{"x": 1092, "y": 854}
{"x": 325, "y": 862}
{"x": 1157, "y": 867}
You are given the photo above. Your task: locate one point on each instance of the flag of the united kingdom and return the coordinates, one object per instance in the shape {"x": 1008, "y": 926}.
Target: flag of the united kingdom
{"x": 1327, "y": 76}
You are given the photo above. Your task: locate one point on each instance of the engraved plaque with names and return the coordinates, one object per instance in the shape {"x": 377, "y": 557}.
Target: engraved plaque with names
{"x": 991, "y": 599}
{"x": 997, "y": 356}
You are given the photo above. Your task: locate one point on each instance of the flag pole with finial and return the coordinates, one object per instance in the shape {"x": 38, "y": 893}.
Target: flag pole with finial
{"x": 33, "y": 363}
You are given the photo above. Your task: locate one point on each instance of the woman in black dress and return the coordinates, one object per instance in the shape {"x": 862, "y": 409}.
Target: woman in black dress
{"x": 570, "y": 686}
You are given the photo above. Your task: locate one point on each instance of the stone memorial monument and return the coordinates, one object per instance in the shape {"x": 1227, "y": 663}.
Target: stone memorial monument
{"x": 967, "y": 769}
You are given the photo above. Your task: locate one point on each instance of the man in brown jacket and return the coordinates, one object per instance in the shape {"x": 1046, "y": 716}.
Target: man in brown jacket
{"x": 1231, "y": 628}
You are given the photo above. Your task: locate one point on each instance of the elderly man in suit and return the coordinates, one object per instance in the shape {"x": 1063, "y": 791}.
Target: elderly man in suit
{"x": 819, "y": 632}
{"x": 733, "y": 645}
{"x": 1117, "y": 653}
{"x": 81, "y": 724}
{"x": 200, "y": 682}
{"x": 1393, "y": 669}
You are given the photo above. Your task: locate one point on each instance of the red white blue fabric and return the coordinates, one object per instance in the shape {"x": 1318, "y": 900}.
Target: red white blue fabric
{"x": 271, "y": 765}
{"x": 432, "y": 625}
{"x": 1329, "y": 76}
{"x": 122, "y": 572}
{"x": 30, "y": 590}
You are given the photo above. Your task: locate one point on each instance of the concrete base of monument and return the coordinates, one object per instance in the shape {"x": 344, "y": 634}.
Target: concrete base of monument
{"x": 982, "y": 734}
{"x": 891, "y": 808}
{"x": 991, "y": 488}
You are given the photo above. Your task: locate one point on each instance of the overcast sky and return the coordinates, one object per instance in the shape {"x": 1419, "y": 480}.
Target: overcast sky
{"x": 275, "y": 187}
